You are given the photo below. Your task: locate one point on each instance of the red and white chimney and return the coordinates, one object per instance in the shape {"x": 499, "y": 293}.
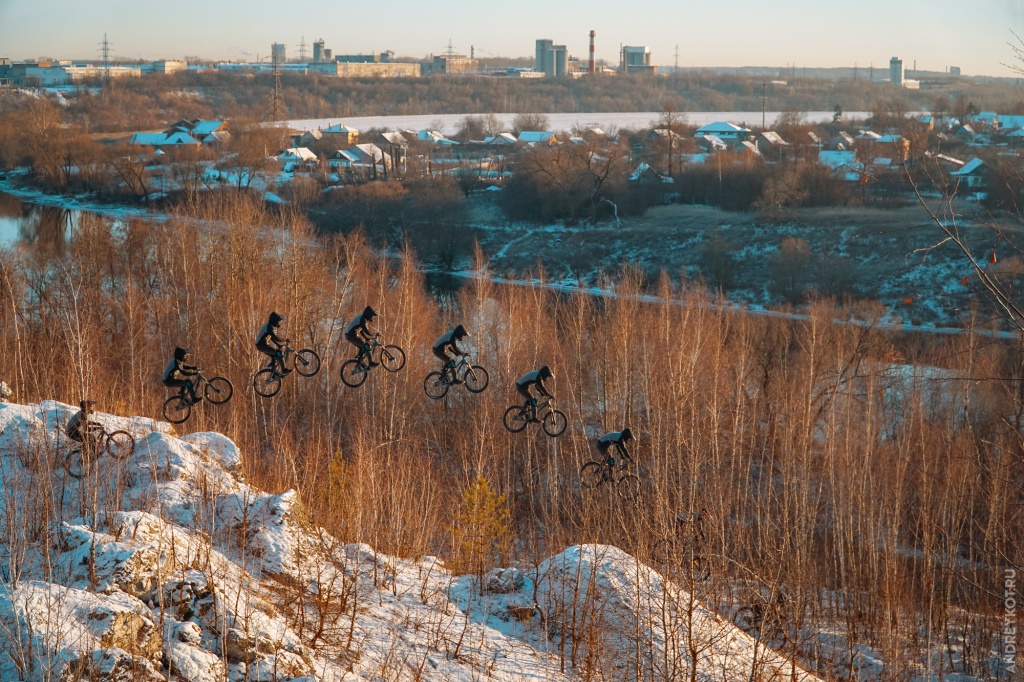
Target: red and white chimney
{"x": 591, "y": 68}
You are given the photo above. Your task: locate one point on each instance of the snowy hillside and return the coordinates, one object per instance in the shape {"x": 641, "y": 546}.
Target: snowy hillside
{"x": 168, "y": 566}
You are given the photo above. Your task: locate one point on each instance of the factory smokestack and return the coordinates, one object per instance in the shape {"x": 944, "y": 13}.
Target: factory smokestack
{"x": 591, "y": 67}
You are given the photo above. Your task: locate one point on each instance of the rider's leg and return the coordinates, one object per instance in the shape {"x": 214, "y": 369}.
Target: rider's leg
{"x": 279, "y": 359}
{"x": 191, "y": 386}
{"x": 365, "y": 350}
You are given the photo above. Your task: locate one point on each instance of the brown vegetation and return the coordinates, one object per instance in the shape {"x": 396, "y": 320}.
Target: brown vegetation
{"x": 881, "y": 499}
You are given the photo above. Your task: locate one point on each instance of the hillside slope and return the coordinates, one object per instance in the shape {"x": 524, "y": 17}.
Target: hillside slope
{"x": 169, "y": 566}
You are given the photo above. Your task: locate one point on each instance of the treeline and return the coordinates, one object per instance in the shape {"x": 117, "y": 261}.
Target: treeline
{"x": 154, "y": 102}
{"x": 880, "y": 497}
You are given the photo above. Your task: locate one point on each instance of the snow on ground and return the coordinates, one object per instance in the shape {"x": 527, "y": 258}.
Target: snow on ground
{"x": 167, "y": 566}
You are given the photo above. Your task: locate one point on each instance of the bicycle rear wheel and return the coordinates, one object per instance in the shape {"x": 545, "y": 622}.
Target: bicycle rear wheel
{"x": 592, "y": 474}
{"x": 120, "y": 445}
{"x": 177, "y": 409}
{"x": 267, "y": 383}
{"x": 554, "y": 423}
{"x": 392, "y": 358}
{"x": 218, "y": 390}
{"x": 435, "y": 386}
{"x": 353, "y": 374}
{"x": 307, "y": 362}
{"x": 476, "y": 378}
{"x": 515, "y": 419}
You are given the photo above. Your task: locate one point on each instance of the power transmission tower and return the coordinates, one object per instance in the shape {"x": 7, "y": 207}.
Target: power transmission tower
{"x": 105, "y": 51}
{"x": 677, "y": 57}
{"x": 278, "y": 109}
{"x": 451, "y": 48}
{"x": 302, "y": 50}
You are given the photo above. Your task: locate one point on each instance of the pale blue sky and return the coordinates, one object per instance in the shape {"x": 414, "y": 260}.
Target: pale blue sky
{"x": 935, "y": 33}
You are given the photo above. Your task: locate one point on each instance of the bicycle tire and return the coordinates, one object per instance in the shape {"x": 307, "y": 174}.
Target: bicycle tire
{"x": 120, "y": 444}
{"x": 554, "y": 423}
{"x": 75, "y": 463}
{"x": 435, "y": 386}
{"x": 629, "y": 487}
{"x": 592, "y": 474}
{"x": 267, "y": 383}
{"x": 177, "y": 409}
{"x": 476, "y": 378}
{"x": 307, "y": 362}
{"x": 515, "y": 419}
{"x": 352, "y": 374}
{"x": 392, "y": 358}
{"x": 218, "y": 390}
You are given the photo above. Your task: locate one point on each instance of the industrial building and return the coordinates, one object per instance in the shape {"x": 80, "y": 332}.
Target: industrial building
{"x": 636, "y": 59}
{"x": 367, "y": 69}
{"x": 551, "y": 60}
{"x": 450, "y": 63}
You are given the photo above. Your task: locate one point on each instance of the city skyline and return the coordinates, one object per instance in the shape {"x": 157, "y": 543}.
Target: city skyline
{"x": 934, "y": 34}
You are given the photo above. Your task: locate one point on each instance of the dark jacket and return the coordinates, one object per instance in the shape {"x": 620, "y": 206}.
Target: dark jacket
{"x": 534, "y": 379}
{"x": 614, "y": 438}
{"x": 267, "y": 336}
{"x": 358, "y": 330}
{"x": 176, "y": 370}
{"x": 447, "y": 342}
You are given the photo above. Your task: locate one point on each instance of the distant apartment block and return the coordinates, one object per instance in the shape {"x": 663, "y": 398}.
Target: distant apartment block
{"x": 896, "y": 71}
{"x": 551, "y": 60}
{"x": 169, "y": 66}
{"x": 279, "y": 53}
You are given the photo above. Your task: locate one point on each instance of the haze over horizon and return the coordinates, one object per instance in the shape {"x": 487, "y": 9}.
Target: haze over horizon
{"x": 936, "y": 34}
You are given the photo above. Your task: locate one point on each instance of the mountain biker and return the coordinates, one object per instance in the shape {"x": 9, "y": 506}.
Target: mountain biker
{"x": 616, "y": 440}
{"x": 269, "y": 343}
{"x": 358, "y": 333}
{"x": 446, "y": 349}
{"x": 536, "y": 379}
{"x": 79, "y": 426}
{"x": 177, "y": 369}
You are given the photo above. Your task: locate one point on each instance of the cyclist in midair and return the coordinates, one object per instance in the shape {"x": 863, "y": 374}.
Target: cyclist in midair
{"x": 536, "y": 380}
{"x": 446, "y": 349}
{"x": 269, "y": 343}
{"x": 358, "y": 332}
{"x": 177, "y": 374}
{"x": 616, "y": 440}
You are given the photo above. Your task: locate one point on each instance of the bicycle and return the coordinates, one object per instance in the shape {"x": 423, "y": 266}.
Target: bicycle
{"x": 217, "y": 390}
{"x": 683, "y": 547}
{"x": 551, "y": 420}
{"x": 355, "y": 371}
{"x": 118, "y": 444}
{"x": 475, "y": 377}
{"x": 267, "y": 382}
{"x": 626, "y": 484}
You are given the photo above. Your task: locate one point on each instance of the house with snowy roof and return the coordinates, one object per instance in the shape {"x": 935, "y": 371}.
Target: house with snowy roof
{"x": 501, "y": 140}
{"x": 533, "y": 138}
{"x": 435, "y": 137}
{"x": 340, "y": 136}
{"x": 164, "y": 140}
{"x": 842, "y": 161}
{"x": 725, "y": 131}
{"x": 972, "y": 175}
{"x": 296, "y": 159}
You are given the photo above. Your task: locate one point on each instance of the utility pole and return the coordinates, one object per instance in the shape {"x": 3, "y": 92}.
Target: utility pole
{"x": 764, "y": 86}
{"x": 677, "y": 58}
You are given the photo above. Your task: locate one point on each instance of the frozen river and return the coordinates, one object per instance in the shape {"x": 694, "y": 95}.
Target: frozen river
{"x": 449, "y": 123}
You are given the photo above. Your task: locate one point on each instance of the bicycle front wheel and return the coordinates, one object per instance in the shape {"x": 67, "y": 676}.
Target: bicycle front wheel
{"x": 218, "y": 390}
{"x": 392, "y": 358}
{"x": 515, "y": 419}
{"x": 307, "y": 362}
{"x": 554, "y": 423}
{"x": 476, "y": 378}
{"x": 76, "y": 463}
{"x": 629, "y": 487}
{"x": 177, "y": 409}
{"x": 592, "y": 474}
{"x": 120, "y": 445}
{"x": 353, "y": 374}
{"x": 435, "y": 386}
{"x": 267, "y": 383}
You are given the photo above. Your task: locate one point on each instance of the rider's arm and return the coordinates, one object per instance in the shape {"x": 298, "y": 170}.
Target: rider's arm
{"x": 188, "y": 370}
{"x": 542, "y": 390}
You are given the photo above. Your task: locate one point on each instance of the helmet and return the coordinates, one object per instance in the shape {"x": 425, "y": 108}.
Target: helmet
{"x": 276, "y": 319}
{"x": 626, "y": 434}
{"x": 546, "y": 373}
{"x": 460, "y": 332}
{"x": 369, "y": 313}
{"x": 85, "y": 404}
{"x": 181, "y": 353}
